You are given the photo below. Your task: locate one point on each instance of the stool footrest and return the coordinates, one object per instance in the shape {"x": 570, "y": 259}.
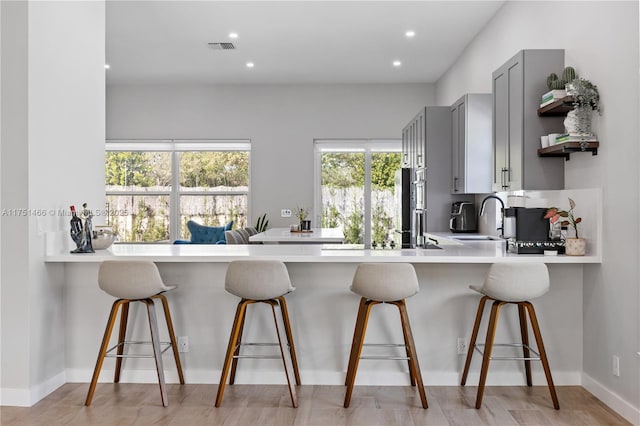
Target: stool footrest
{"x": 389, "y": 357}
{"x": 257, "y": 356}
{"x": 403, "y": 358}
{"x": 135, "y": 342}
{"x": 510, "y": 358}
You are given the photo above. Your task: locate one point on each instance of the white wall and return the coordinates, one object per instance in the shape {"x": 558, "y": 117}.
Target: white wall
{"x": 280, "y": 120}
{"x": 601, "y": 42}
{"x": 53, "y": 158}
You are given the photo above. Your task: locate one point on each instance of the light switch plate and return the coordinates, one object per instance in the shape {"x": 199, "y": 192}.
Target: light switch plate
{"x": 285, "y": 213}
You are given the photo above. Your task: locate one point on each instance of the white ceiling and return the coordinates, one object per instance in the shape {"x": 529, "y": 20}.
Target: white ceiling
{"x": 289, "y": 41}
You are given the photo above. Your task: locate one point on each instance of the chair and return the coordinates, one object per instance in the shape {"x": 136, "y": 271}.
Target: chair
{"x": 134, "y": 281}
{"x": 202, "y": 234}
{"x": 244, "y": 234}
{"x": 511, "y": 283}
{"x": 265, "y": 281}
{"x": 233, "y": 237}
{"x": 384, "y": 283}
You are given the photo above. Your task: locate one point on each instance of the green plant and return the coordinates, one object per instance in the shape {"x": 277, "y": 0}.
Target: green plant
{"x": 554, "y": 214}
{"x": 555, "y": 83}
{"x": 262, "y": 223}
{"x": 302, "y": 213}
{"x": 584, "y": 93}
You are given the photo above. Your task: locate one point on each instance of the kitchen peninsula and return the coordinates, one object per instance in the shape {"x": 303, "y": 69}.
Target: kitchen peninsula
{"x": 322, "y": 310}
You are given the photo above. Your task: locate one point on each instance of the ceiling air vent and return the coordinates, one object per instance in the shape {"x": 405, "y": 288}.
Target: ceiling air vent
{"x": 221, "y": 46}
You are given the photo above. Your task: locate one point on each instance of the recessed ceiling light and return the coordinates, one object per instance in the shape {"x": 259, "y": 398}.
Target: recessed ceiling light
{"x": 250, "y": 64}
{"x": 107, "y": 66}
{"x": 410, "y": 34}
{"x": 397, "y": 63}
{"x": 233, "y": 35}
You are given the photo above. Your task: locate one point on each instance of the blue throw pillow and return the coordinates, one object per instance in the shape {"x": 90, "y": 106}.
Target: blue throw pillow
{"x": 201, "y": 234}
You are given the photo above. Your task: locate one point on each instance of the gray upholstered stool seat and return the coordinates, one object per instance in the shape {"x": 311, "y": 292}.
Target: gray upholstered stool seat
{"x": 134, "y": 281}
{"x": 516, "y": 283}
{"x": 384, "y": 283}
{"x": 265, "y": 281}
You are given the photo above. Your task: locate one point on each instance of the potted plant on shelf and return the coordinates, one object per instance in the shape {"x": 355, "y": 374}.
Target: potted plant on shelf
{"x": 586, "y": 99}
{"x": 302, "y": 214}
{"x": 573, "y": 246}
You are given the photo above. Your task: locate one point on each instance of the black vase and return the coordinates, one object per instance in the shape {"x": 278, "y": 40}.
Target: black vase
{"x": 305, "y": 225}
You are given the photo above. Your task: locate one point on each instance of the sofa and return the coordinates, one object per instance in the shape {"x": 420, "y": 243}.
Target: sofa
{"x": 202, "y": 234}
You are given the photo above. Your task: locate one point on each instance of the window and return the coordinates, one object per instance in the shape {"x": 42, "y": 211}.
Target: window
{"x": 154, "y": 187}
{"x": 355, "y": 188}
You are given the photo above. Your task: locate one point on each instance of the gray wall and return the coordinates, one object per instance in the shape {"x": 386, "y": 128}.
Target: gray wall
{"x": 53, "y": 105}
{"x": 609, "y": 58}
{"x": 280, "y": 120}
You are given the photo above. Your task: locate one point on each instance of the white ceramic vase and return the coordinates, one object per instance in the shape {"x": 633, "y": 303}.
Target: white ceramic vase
{"x": 575, "y": 246}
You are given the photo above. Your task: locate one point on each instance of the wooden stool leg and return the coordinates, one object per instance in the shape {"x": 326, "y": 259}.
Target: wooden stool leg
{"x": 278, "y": 319}
{"x": 355, "y": 355}
{"x": 524, "y": 332}
{"x": 157, "y": 351}
{"x": 103, "y": 348}
{"x": 472, "y": 342}
{"x": 543, "y": 353}
{"x": 124, "y": 315}
{"x": 172, "y": 335}
{"x": 358, "y": 327}
{"x": 488, "y": 347}
{"x": 233, "y": 339}
{"x": 413, "y": 355}
{"x": 412, "y": 373}
{"x": 287, "y": 328}
{"x": 236, "y": 352}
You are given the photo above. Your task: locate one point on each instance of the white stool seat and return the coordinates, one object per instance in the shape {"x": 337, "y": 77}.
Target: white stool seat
{"x": 134, "y": 282}
{"x": 378, "y": 283}
{"x": 131, "y": 279}
{"x": 515, "y": 282}
{"x": 511, "y": 283}
{"x": 385, "y": 282}
{"x": 258, "y": 279}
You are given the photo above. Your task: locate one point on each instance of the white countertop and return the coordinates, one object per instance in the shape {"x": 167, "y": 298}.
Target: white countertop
{"x": 467, "y": 252}
{"x": 284, "y": 235}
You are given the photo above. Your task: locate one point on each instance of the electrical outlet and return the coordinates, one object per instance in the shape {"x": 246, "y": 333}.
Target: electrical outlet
{"x": 183, "y": 344}
{"x": 285, "y": 213}
{"x": 616, "y": 365}
{"x": 462, "y": 346}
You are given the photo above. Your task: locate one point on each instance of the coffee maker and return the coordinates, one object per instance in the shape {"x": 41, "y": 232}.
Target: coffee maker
{"x": 463, "y": 217}
{"x": 528, "y": 231}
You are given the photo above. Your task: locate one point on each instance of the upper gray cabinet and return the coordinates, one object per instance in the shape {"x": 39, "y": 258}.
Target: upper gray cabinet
{"x": 517, "y": 87}
{"x": 471, "y": 146}
{"x": 413, "y": 141}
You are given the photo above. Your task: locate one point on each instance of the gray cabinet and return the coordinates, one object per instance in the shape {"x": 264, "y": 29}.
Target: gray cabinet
{"x": 426, "y": 149}
{"x": 471, "y": 146}
{"x": 413, "y": 141}
{"x": 517, "y": 87}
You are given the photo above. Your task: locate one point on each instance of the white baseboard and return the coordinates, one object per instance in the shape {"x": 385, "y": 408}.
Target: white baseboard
{"x": 613, "y": 400}
{"x": 315, "y": 377}
{"x": 29, "y": 397}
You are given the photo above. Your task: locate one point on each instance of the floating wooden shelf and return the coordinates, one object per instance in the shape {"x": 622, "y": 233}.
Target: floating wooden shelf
{"x": 559, "y": 107}
{"x": 565, "y": 149}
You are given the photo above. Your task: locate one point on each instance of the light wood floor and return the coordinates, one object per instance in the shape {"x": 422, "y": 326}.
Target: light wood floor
{"x": 137, "y": 404}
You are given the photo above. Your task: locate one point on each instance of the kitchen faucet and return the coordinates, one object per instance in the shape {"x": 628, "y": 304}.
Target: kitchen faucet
{"x": 501, "y": 228}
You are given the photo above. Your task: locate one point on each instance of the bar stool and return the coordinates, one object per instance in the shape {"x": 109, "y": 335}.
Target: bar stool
{"x": 134, "y": 281}
{"x": 265, "y": 281}
{"x": 511, "y": 283}
{"x": 384, "y": 283}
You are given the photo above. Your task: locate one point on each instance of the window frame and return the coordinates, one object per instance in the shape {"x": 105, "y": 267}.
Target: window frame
{"x": 366, "y": 146}
{"x": 175, "y": 147}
